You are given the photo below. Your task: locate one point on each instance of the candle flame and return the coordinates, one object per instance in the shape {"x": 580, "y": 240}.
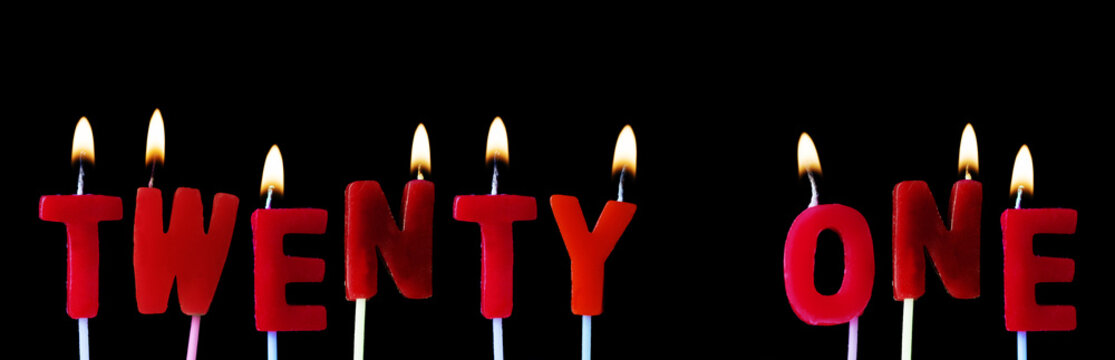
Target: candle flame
{"x": 626, "y": 151}
{"x": 497, "y": 143}
{"x": 420, "y": 151}
{"x": 83, "y": 142}
{"x": 272, "y": 172}
{"x": 156, "y": 140}
{"x": 969, "y": 153}
{"x": 1023, "y": 175}
{"x": 808, "y": 161}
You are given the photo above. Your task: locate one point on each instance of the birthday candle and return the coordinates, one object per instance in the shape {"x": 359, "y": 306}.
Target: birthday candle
{"x": 1022, "y": 269}
{"x": 801, "y": 245}
{"x": 274, "y": 270}
{"x": 918, "y": 229}
{"x": 589, "y": 250}
{"x": 408, "y": 252}
{"x": 186, "y": 253}
{"x": 81, "y": 213}
{"x": 495, "y": 213}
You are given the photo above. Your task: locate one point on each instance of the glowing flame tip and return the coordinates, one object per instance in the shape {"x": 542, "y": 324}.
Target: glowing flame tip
{"x": 626, "y": 152}
{"x": 420, "y": 152}
{"x": 497, "y": 143}
{"x": 83, "y": 142}
{"x": 969, "y": 152}
{"x": 156, "y": 140}
{"x": 808, "y": 161}
{"x": 272, "y": 172}
{"x": 1023, "y": 174}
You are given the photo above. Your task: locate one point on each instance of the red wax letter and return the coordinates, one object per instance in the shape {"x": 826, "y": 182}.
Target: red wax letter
{"x": 81, "y": 213}
{"x": 1022, "y": 269}
{"x": 408, "y": 253}
{"x": 274, "y": 269}
{"x": 859, "y": 265}
{"x": 495, "y": 213}
{"x": 588, "y": 251}
{"x": 185, "y": 251}
{"x": 918, "y": 226}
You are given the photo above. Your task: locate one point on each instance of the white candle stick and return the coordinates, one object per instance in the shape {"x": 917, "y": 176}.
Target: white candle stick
{"x": 497, "y": 338}
{"x": 83, "y": 337}
{"x": 272, "y": 345}
{"x": 907, "y": 328}
{"x": 358, "y": 333}
{"x": 586, "y": 337}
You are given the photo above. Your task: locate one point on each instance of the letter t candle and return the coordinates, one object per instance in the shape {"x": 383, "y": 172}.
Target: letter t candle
{"x": 495, "y": 213}
{"x": 81, "y": 213}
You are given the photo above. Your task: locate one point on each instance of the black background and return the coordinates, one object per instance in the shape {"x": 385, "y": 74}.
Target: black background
{"x": 699, "y": 270}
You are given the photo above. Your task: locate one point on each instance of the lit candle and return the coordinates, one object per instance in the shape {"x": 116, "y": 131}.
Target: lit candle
{"x": 589, "y": 250}
{"x": 495, "y": 213}
{"x": 408, "y": 252}
{"x": 186, "y": 253}
{"x": 918, "y": 229}
{"x": 801, "y": 245}
{"x": 274, "y": 270}
{"x": 1022, "y": 270}
{"x": 81, "y": 213}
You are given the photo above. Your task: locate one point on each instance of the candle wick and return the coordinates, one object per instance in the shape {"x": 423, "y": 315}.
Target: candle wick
{"x": 420, "y": 177}
{"x": 622, "y": 172}
{"x": 81, "y": 176}
{"x": 967, "y": 174}
{"x": 813, "y": 187}
{"x": 270, "y": 190}
{"x": 151, "y": 180}
{"x": 1018, "y": 200}
{"x": 495, "y": 176}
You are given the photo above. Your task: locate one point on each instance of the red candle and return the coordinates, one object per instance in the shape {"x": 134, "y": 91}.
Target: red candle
{"x": 407, "y": 252}
{"x": 273, "y": 269}
{"x": 1022, "y": 269}
{"x": 859, "y": 265}
{"x": 81, "y": 213}
{"x": 801, "y": 245}
{"x": 186, "y": 252}
{"x": 370, "y": 225}
{"x": 495, "y": 213}
{"x": 918, "y": 228}
{"x": 589, "y": 250}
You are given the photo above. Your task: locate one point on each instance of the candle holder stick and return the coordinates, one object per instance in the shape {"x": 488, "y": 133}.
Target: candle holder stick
{"x": 497, "y": 338}
{"x": 358, "y": 333}
{"x": 586, "y": 335}
{"x": 191, "y": 346}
